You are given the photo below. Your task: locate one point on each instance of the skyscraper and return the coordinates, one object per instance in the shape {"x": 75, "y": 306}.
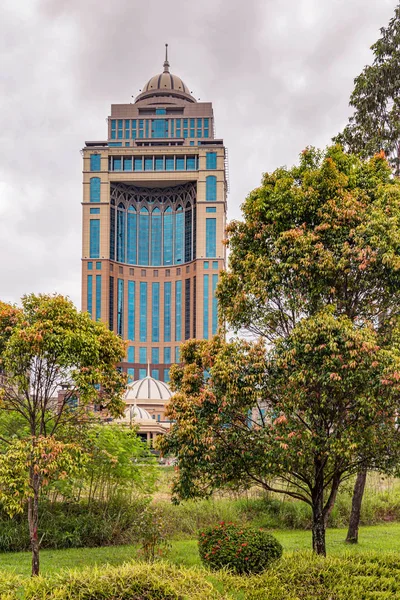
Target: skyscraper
{"x": 154, "y": 211}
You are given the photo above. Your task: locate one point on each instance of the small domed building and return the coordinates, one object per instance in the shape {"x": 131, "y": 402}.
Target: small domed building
{"x": 146, "y": 401}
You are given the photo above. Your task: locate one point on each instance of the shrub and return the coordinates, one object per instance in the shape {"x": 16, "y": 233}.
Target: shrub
{"x": 152, "y": 534}
{"x": 242, "y": 549}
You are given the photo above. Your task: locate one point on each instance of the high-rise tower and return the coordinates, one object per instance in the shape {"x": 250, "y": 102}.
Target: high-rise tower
{"x": 154, "y": 210}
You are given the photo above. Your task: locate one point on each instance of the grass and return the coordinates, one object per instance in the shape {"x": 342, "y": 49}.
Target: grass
{"x": 376, "y": 538}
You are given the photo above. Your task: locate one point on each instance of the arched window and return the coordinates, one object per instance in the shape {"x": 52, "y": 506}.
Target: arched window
{"x": 131, "y": 236}
{"x": 179, "y": 229}
{"x": 95, "y": 189}
{"x": 121, "y": 235}
{"x": 168, "y": 236}
{"x": 156, "y": 237}
{"x": 144, "y": 228}
{"x": 188, "y": 232}
{"x": 211, "y": 188}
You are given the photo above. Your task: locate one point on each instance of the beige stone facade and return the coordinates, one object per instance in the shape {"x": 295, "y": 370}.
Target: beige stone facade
{"x": 160, "y": 167}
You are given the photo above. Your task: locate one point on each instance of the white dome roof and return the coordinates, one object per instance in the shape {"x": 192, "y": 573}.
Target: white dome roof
{"x": 147, "y": 389}
{"x": 137, "y": 414}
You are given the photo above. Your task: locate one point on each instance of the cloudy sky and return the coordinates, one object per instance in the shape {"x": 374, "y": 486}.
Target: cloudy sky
{"x": 279, "y": 74}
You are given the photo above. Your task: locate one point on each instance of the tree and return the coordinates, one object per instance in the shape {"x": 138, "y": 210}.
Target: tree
{"x": 45, "y": 345}
{"x": 297, "y": 419}
{"x": 324, "y": 233}
{"x": 375, "y": 124}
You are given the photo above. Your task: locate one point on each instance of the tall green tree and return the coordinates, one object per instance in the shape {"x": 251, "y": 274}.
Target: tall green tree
{"x": 375, "y": 123}
{"x": 45, "y": 345}
{"x": 297, "y": 419}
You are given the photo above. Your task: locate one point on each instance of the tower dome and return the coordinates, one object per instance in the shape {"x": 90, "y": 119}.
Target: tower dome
{"x": 147, "y": 389}
{"x": 165, "y": 84}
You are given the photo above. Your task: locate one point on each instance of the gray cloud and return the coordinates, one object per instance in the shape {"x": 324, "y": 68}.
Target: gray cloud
{"x": 279, "y": 75}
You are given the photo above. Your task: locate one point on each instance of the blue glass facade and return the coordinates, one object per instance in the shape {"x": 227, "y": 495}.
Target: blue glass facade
{"x": 121, "y": 226}
{"x": 156, "y": 237}
{"x": 131, "y": 311}
{"x": 90, "y": 295}
{"x": 95, "y": 162}
{"x": 211, "y": 188}
{"x": 131, "y": 354}
{"x": 167, "y": 355}
{"x": 144, "y": 236}
{"x": 211, "y": 160}
{"x": 168, "y": 236}
{"x": 211, "y": 238}
{"x": 178, "y": 311}
{"x": 94, "y": 238}
{"x": 155, "y": 309}
{"x": 143, "y": 355}
{"x": 143, "y": 312}
{"x": 120, "y": 307}
{"x": 155, "y": 356}
{"x": 98, "y": 297}
{"x": 206, "y": 298}
{"x": 167, "y": 311}
{"x": 94, "y": 189}
{"x": 131, "y": 236}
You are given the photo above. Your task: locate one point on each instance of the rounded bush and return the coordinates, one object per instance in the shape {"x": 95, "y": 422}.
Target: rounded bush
{"x": 242, "y": 549}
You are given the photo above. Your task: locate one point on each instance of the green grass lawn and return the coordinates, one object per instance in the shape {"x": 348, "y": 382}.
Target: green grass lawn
{"x": 377, "y": 538}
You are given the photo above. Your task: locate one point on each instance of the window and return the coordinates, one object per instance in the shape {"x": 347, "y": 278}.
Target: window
{"x": 167, "y": 311}
{"x": 98, "y": 296}
{"x": 131, "y": 271}
{"x": 156, "y": 237}
{"x": 133, "y": 128}
{"x": 95, "y": 162}
{"x": 143, "y": 355}
{"x": 142, "y": 373}
{"x": 121, "y": 226}
{"x": 94, "y": 211}
{"x": 117, "y": 163}
{"x": 98, "y": 266}
{"x": 206, "y": 264}
{"x": 155, "y": 356}
{"x": 188, "y": 233}
{"x": 166, "y": 375}
{"x": 144, "y": 236}
{"x": 111, "y": 304}
{"x": 113, "y": 129}
{"x": 143, "y": 312}
{"x": 131, "y": 375}
{"x": 120, "y": 307}
{"x": 90, "y": 266}
{"x": 155, "y": 373}
{"x": 114, "y": 145}
{"x": 138, "y": 164}
{"x": 131, "y": 236}
{"x": 127, "y": 127}
{"x": 155, "y": 304}
{"x": 128, "y": 162}
{"x": 211, "y": 188}
{"x": 159, "y": 128}
{"x": 211, "y": 209}
{"x": 168, "y": 236}
{"x": 214, "y": 305}
{"x": 159, "y": 162}
{"x": 167, "y": 273}
{"x": 90, "y": 294}
{"x": 161, "y": 111}
{"x": 121, "y": 270}
{"x": 94, "y": 234}
{"x": 120, "y": 129}
{"x": 180, "y": 163}
{"x": 178, "y": 311}
{"x": 191, "y": 163}
{"x": 143, "y": 273}
{"x": 148, "y": 163}
{"x": 95, "y": 189}
{"x": 187, "y": 309}
{"x": 199, "y": 127}
{"x": 177, "y": 354}
{"x": 167, "y": 356}
{"x": 155, "y": 273}
{"x": 206, "y": 294}
{"x": 179, "y": 239}
{"x": 131, "y": 310}
{"x": 206, "y": 124}
{"x": 215, "y": 264}
{"x": 211, "y": 160}
{"x": 169, "y": 163}
{"x": 211, "y": 237}
{"x": 131, "y": 354}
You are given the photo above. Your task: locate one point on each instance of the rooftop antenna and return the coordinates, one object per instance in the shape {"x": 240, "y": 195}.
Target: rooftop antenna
{"x": 166, "y": 63}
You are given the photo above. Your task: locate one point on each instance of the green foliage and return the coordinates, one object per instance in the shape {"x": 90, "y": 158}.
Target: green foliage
{"x": 242, "y": 549}
{"x": 126, "y": 582}
{"x": 152, "y": 534}
{"x": 375, "y": 124}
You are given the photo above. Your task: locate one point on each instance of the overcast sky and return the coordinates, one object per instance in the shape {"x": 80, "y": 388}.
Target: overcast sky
{"x": 279, "y": 74}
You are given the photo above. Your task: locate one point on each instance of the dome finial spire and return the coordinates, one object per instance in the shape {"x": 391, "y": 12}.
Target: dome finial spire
{"x": 166, "y": 63}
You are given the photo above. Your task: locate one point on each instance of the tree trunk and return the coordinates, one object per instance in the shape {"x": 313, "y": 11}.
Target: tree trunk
{"x": 33, "y": 520}
{"x": 358, "y": 492}
{"x": 318, "y": 522}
